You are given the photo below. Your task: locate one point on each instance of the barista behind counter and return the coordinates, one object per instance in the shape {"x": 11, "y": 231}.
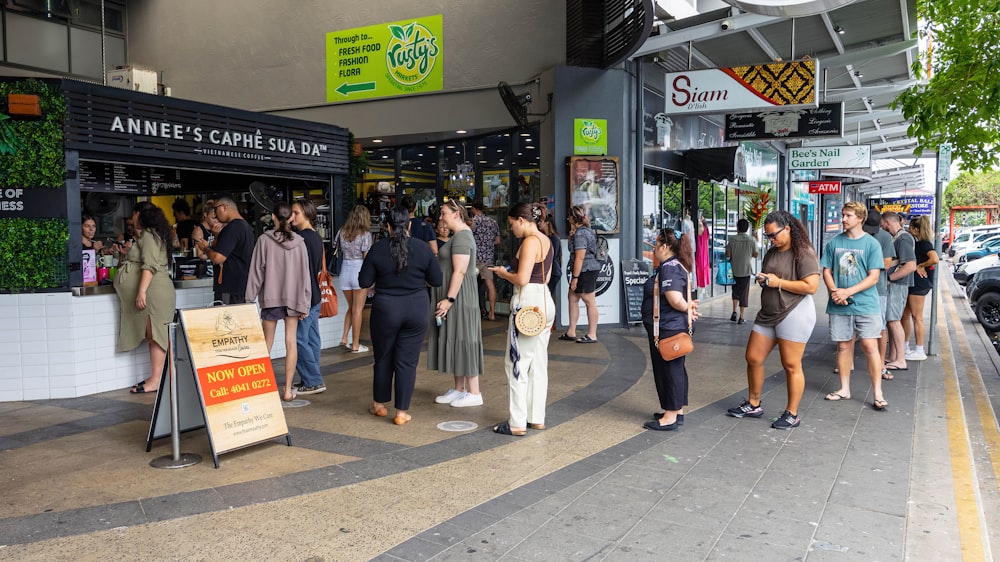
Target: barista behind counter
{"x": 231, "y": 253}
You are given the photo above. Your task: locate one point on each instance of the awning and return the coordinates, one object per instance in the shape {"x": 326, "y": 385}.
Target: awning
{"x": 715, "y": 164}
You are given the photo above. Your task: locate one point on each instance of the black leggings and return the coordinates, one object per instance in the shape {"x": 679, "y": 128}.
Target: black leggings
{"x": 398, "y": 327}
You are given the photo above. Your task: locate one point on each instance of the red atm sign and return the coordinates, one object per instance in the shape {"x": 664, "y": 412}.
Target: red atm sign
{"x": 824, "y": 187}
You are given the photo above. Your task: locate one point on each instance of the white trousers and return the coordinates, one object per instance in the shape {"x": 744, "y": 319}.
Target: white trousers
{"x": 528, "y": 358}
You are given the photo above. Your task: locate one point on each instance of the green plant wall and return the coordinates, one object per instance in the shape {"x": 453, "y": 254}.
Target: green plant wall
{"x": 33, "y": 252}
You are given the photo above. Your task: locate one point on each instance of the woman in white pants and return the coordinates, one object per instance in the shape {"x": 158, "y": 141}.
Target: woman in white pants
{"x": 527, "y": 359}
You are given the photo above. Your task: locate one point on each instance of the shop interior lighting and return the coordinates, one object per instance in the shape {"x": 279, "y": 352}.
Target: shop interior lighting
{"x": 376, "y": 141}
{"x": 858, "y": 73}
{"x": 461, "y": 131}
{"x": 838, "y": 29}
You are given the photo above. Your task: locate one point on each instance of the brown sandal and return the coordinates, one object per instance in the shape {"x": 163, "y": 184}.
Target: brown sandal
{"x": 378, "y": 410}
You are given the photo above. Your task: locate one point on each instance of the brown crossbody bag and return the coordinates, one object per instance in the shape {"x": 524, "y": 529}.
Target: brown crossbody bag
{"x": 677, "y": 345}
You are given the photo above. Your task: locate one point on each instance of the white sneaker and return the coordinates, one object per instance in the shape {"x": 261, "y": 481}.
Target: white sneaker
{"x": 915, "y": 356}
{"x": 362, "y": 348}
{"x": 468, "y": 399}
{"x": 449, "y": 397}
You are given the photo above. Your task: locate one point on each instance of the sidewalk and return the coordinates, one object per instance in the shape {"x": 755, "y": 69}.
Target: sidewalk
{"x": 916, "y": 482}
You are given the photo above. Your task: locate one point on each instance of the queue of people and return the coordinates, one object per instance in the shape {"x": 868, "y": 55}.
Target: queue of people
{"x": 426, "y": 290}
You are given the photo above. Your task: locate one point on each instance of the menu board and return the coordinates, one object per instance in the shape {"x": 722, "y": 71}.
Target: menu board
{"x": 634, "y": 276}
{"x": 121, "y": 178}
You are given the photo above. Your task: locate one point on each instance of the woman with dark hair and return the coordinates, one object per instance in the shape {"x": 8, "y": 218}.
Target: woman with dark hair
{"x": 788, "y": 276}
{"x": 923, "y": 282}
{"x": 527, "y": 357}
{"x": 88, "y": 228}
{"x": 583, "y": 282}
{"x": 307, "y": 337}
{"x": 456, "y": 346}
{"x": 146, "y": 292}
{"x": 400, "y": 268}
{"x": 279, "y": 281}
{"x": 671, "y": 281}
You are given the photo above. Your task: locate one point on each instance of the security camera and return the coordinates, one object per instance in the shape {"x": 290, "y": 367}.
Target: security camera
{"x": 727, "y": 24}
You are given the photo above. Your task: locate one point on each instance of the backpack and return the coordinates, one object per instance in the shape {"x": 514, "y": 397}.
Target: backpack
{"x": 601, "y": 253}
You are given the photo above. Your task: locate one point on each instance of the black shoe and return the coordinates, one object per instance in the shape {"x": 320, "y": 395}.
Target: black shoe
{"x": 655, "y": 425}
{"x": 741, "y": 321}
{"x": 733, "y": 318}
{"x": 746, "y": 409}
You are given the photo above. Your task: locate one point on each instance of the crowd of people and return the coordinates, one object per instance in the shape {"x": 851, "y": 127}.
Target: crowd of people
{"x": 424, "y": 283}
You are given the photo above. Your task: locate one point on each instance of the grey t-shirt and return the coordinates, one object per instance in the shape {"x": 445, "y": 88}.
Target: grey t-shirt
{"x": 905, "y": 251}
{"x": 888, "y": 251}
{"x": 585, "y": 237}
{"x": 741, "y": 249}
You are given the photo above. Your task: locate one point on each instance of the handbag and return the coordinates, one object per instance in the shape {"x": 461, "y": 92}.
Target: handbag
{"x": 328, "y": 295}
{"x": 530, "y": 321}
{"x": 724, "y": 275}
{"x": 677, "y": 345}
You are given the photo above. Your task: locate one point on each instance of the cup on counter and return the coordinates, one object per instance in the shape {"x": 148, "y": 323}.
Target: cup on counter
{"x": 102, "y": 275}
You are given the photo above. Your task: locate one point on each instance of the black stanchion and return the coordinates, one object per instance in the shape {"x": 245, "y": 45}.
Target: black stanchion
{"x": 176, "y": 459}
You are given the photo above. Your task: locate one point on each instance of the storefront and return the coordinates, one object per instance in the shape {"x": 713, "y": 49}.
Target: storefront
{"x": 98, "y": 150}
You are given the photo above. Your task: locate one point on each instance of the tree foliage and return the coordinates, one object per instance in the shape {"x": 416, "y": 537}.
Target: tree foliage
{"x": 960, "y": 103}
{"x": 969, "y": 189}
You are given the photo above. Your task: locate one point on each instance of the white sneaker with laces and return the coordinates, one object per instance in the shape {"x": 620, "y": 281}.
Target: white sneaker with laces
{"x": 362, "y": 348}
{"x": 468, "y": 399}
{"x": 449, "y": 397}
{"x": 916, "y": 356}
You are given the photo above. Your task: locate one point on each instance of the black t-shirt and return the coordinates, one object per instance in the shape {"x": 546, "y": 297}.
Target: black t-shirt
{"x": 673, "y": 277}
{"x": 421, "y": 230}
{"x": 236, "y": 242}
{"x": 422, "y": 269}
{"x": 314, "y": 247}
{"x": 923, "y": 247}
{"x": 185, "y": 228}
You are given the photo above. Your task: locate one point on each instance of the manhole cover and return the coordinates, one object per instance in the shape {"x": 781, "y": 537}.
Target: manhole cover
{"x": 295, "y": 403}
{"x": 457, "y": 426}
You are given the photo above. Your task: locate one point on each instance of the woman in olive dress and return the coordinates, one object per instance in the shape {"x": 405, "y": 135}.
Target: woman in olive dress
{"x": 456, "y": 346}
{"x": 146, "y": 292}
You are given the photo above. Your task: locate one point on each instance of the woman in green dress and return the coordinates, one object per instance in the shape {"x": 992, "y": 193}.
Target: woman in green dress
{"x": 146, "y": 292}
{"x": 456, "y": 345}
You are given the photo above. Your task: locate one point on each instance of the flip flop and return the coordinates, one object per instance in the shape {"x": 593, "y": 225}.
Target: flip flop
{"x": 886, "y": 375}
{"x": 836, "y": 397}
{"x": 585, "y": 339}
{"x": 141, "y": 389}
{"x": 889, "y": 367}
{"x": 880, "y": 405}
{"x": 567, "y": 337}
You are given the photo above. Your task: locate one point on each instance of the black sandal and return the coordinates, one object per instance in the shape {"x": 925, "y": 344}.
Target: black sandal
{"x": 567, "y": 337}
{"x": 503, "y": 428}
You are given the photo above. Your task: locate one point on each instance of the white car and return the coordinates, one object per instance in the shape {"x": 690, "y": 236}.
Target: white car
{"x": 967, "y": 271}
{"x": 977, "y": 241}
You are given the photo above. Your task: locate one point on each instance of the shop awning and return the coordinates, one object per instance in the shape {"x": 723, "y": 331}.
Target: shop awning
{"x": 715, "y": 164}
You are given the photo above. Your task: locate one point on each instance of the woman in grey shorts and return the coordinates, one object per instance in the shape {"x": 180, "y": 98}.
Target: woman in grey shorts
{"x": 788, "y": 276}
{"x": 353, "y": 242}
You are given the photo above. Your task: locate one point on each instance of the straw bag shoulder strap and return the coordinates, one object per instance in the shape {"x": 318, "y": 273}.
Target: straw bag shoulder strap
{"x": 520, "y": 296}
{"x": 656, "y": 305}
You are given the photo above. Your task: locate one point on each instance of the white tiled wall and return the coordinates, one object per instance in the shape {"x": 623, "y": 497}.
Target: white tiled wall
{"x": 55, "y": 345}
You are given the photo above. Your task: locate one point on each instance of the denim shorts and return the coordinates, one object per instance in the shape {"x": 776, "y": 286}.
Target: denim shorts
{"x": 896, "y": 302}
{"x": 866, "y": 326}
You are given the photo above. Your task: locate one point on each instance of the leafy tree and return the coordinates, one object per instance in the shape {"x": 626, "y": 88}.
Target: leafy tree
{"x": 969, "y": 189}
{"x": 960, "y": 103}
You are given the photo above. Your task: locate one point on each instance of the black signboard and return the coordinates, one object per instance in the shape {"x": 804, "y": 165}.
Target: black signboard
{"x": 827, "y": 120}
{"x": 33, "y": 203}
{"x": 634, "y": 276}
{"x": 161, "y": 130}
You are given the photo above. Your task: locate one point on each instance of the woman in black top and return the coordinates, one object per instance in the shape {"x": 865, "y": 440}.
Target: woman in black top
{"x": 400, "y": 268}
{"x": 923, "y": 282}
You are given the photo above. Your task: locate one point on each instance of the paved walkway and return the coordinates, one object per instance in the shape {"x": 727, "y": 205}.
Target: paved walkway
{"x": 918, "y": 482}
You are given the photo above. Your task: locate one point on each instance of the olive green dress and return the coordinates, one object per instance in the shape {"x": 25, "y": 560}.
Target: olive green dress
{"x": 456, "y": 347}
{"x": 148, "y": 253}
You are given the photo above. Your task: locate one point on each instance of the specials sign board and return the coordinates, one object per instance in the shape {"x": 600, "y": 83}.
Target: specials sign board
{"x": 830, "y": 157}
{"x": 234, "y": 376}
{"x": 724, "y": 90}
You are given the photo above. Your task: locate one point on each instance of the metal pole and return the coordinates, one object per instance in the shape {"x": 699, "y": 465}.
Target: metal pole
{"x": 177, "y": 459}
{"x": 938, "y": 198}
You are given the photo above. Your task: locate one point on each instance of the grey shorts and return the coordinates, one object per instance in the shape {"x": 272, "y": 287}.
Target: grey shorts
{"x": 866, "y": 326}
{"x": 883, "y": 301}
{"x": 796, "y": 327}
{"x": 895, "y": 302}
{"x": 349, "y": 271}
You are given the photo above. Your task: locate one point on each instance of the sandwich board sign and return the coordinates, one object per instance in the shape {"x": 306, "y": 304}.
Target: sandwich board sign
{"x": 222, "y": 350}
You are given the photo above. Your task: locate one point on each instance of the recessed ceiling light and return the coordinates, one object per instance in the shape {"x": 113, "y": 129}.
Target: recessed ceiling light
{"x": 525, "y": 134}
{"x": 421, "y": 154}
{"x": 529, "y": 147}
{"x": 376, "y": 140}
{"x": 461, "y": 131}
{"x": 385, "y": 156}
{"x": 450, "y": 146}
{"x": 481, "y": 147}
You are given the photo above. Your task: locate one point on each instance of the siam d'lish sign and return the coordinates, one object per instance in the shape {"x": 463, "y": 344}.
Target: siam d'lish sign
{"x": 827, "y": 120}
{"x": 829, "y": 157}
{"x": 781, "y": 85}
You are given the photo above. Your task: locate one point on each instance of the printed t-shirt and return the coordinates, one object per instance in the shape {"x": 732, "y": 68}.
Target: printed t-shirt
{"x": 849, "y": 261}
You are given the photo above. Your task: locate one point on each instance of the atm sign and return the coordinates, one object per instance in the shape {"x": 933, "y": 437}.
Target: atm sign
{"x": 824, "y": 187}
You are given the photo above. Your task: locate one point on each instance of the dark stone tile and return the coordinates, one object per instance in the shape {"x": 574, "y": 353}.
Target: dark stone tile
{"x": 32, "y": 528}
{"x": 415, "y": 550}
{"x": 182, "y": 504}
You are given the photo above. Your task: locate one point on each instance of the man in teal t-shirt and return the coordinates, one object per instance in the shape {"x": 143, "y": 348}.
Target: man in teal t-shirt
{"x": 852, "y": 262}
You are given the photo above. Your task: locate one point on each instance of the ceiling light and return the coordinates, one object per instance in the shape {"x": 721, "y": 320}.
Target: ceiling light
{"x": 529, "y": 147}
{"x": 461, "y": 131}
{"x": 838, "y": 29}
{"x": 376, "y": 140}
{"x": 525, "y": 134}
{"x": 481, "y": 147}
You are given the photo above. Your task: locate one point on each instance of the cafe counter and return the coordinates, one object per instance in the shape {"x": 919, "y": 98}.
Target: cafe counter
{"x": 62, "y": 345}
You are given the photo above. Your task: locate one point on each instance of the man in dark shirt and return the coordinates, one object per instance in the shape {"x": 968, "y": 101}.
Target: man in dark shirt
{"x": 419, "y": 228}
{"x": 232, "y": 252}
{"x": 183, "y": 222}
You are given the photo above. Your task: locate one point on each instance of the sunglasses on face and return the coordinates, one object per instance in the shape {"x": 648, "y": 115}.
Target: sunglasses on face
{"x": 773, "y": 235}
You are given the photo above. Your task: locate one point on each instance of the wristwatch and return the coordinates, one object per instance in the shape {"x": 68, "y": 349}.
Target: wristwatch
{"x": 451, "y": 299}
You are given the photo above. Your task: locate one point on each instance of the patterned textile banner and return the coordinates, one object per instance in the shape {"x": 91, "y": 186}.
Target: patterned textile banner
{"x": 741, "y": 88}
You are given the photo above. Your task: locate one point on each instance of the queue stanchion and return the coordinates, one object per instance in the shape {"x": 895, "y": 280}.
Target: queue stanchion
{"x": 176, "y": 459}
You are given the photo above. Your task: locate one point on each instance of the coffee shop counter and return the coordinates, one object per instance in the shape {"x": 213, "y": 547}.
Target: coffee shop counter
{"x": 62, "y": 345}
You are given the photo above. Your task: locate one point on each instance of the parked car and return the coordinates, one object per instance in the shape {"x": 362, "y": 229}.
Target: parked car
{"x": 964, "y": 237}
{"x": 989, "y": 248}
{"x": 977, "y": 241}
{"x": 984, "y": 297}
{"x": 967, "y": 271}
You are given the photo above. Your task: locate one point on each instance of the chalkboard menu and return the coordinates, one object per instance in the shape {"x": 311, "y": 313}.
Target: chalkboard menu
{"x": 120, "y": 178}
{"x": 634, "y": 275}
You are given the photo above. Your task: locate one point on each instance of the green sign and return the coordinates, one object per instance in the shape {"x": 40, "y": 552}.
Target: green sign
{"x": 388, "y": 59}
{"x": 590, "y": 136}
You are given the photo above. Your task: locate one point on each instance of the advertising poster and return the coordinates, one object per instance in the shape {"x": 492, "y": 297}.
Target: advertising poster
{"x": 594, "y": 186}
{"x": 609, "y": 300}
{"x": 235, "y": 378}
